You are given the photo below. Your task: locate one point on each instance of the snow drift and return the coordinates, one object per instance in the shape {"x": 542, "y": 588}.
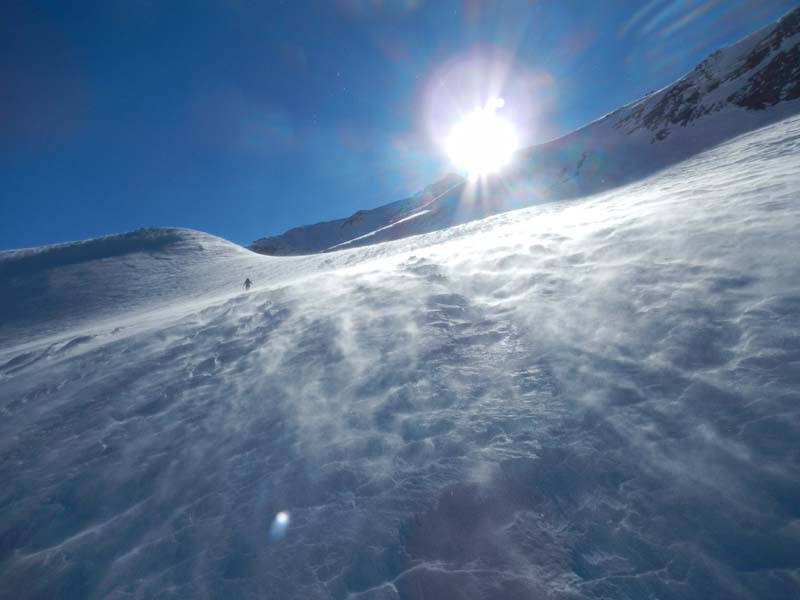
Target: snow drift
{"x": 589, "y": 399}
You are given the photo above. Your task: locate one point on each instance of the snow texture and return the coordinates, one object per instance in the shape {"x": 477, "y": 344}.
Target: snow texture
{"x": 597, "y": 398}
{"x": 735, "y": 90}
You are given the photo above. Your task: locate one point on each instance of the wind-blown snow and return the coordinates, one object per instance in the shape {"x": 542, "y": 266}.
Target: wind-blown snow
{"x": 593, "y": 399}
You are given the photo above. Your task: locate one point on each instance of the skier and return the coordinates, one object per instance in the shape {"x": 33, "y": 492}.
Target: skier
{"x": 247, "y": 283}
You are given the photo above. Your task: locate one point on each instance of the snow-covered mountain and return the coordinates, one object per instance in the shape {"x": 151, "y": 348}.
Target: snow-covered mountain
{"x": 596, "y": 398}
{"x": 361, "y": 225}
{"x": 737, "y": 89}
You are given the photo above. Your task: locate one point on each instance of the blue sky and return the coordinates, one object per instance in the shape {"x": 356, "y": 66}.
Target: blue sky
{"x": 246, "y": 118}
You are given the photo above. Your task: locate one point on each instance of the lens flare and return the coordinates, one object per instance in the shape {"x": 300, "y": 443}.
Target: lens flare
{"x": 482, "y": 142}
{"x": 280, "y": 524}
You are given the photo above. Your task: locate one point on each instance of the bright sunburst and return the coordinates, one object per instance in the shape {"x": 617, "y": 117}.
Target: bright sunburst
{"x": 482, "y": 142}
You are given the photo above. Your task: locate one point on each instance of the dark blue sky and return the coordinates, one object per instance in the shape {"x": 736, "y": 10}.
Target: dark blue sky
{"x": 246, "y": 118}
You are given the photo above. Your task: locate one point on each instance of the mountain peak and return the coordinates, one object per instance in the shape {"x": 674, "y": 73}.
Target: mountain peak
{"x": 736, "y": 89}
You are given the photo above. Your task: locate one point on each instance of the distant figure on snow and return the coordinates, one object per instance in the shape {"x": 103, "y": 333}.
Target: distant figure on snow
{"x": 247, "y": 283}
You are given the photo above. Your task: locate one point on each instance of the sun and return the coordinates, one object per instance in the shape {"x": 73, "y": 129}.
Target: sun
{"x": 482, "y": 142}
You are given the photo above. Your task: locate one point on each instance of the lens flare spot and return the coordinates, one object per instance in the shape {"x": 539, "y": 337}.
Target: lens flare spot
{"x": 280, "y": 524}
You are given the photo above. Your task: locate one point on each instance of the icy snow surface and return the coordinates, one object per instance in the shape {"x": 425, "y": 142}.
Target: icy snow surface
{"x": 589, "y": 399}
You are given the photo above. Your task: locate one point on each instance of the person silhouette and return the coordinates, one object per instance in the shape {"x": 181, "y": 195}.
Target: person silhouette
{"x": 247, "y": 283}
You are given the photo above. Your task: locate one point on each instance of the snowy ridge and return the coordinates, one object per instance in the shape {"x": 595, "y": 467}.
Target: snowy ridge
{"x": 362, "y": 224}
{"x": 57, "y": 287}
{"x": 737, "y": 89}
{"x": 588, "y": 399}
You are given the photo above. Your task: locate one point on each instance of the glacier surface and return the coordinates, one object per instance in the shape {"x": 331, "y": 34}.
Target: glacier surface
{"x": 597, "y": 398}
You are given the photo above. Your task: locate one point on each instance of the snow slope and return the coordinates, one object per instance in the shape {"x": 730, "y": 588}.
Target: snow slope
{"x": 59, "y": 286}
{"x": 737, "y": 89}
{"x": 597, "y": 398}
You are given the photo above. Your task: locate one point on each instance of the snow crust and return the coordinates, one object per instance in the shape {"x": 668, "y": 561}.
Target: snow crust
{"x": 591, "y": 399}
